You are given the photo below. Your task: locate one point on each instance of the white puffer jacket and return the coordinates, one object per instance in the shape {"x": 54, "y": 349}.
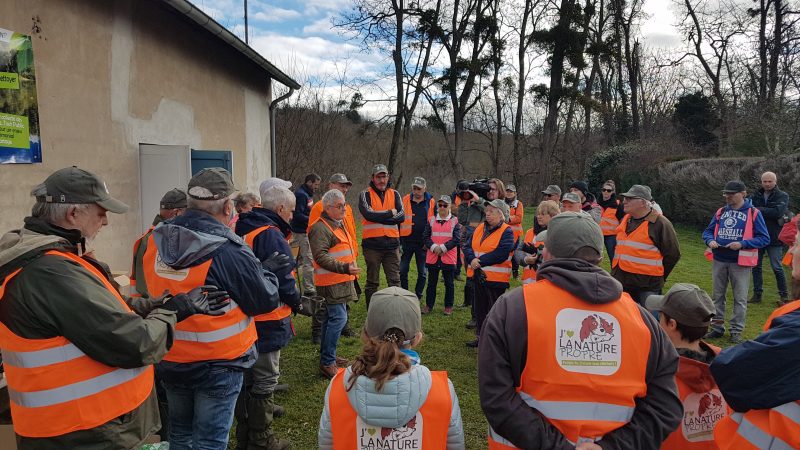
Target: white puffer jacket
{"x": 392, "y": 407}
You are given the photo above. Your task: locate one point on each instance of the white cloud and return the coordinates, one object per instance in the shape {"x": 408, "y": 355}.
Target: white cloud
{"x": 322, "y": 26}
{"x": 275, "y": 14}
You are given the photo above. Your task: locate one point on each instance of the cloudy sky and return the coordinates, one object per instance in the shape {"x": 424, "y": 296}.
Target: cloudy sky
{"x": 297, "y": 36}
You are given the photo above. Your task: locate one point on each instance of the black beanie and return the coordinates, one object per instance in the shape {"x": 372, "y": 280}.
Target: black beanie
{"x": 581, "y": 186}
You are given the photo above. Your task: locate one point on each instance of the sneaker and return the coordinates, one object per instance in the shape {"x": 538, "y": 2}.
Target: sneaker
{"x": 448, "y": 311}
{"x": 471, "y": 324}
{"x": 425, "y": 310}
{"x": 713, "y": 334}
{"x": 736, "y": 338}
{"x": 472, "y": 344}
{"x": 756, "y": 298}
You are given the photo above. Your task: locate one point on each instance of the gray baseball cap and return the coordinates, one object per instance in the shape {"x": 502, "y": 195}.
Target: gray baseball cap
{"x": 639, "y": 191}
{"x": 686, "y": 303}
{"x": 511, "y": 187}
{"x": 393, "y": 307}
{"x": 174, "y": 198}
{"x": 446, "y": 199}
{"x": 501, "y": 205}
{"x": 77, "y": 186}
{"x": 552, "y": 189}
{"x": 340, "y": 178}
{"x": 419, "y": 182}
{"x": 569, "y": 232}
{"x": 211, "y": 184}
{"x": 571, "y": 197}
{"x": 379, "y": 168}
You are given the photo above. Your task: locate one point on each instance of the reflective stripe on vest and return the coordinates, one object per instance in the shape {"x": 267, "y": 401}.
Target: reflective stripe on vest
{"x": 427, "y": 430}
{"x": 500, "y": 273}
{"x": 748, "y": 257}
{"x": 441, "y": 233}
{"x": 517, "y": 228}
{"x": 56, "y": 389}
{"x": 282, "y": 311}
{"x": 636, "y": 252}
{"x": 200, "y": 337}
{"x": 609, "y": 221}
{"x": 373, "y": 229}
{"x": 774, "y": 429}
{"x": 589, "y": 392}
{"x": 528, "y": 274}
{"x": 408, "y": 221}
{"x": 343, "y": 252}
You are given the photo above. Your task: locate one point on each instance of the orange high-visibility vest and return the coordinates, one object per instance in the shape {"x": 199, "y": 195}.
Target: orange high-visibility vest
{"x": 136, "y": 266}
{"x": 427, "y": 430}
{"x": 702, "y": 409}
{"x": 758, "y": 429}
{"x": 408, "y": 222}
{"x": 200, "y": 337}
{"x": 282, "y": 311}
{"x": 785, "y": 309}
{"x": 349, "y": 220}
{"x": 528, "y": 274}
{"x": 788, "y": 257}
{"x": 441, "y": 233}
{"x": 374, "y": 229}
{"x": 56, "y": 389}
{"x": 517, "y": 213}
{"x": 636, "y": 252}
{"x": 586, "y": 363}
{"x": 609, "y": 221}
{"x": 748, "y": 257}
{"x": 343, "y": 252}
{"x": 500, "y": 273}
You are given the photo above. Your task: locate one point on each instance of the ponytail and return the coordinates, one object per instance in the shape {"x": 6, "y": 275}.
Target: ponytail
{"x": 380, "y": 359}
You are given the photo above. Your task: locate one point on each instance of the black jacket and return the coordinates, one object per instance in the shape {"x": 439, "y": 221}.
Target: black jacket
{"x": 302, "y": 209}
{"x": 773, "y": 209}
{"x": 382, "y": 217}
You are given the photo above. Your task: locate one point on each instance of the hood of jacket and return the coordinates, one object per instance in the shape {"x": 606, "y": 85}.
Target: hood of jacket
{"x": 581, "y": 279}
{"x": 259, "y": 217}
{"x": 395, "y": 404}
{"x": 191, "y": 238}
{"x": 697, "y": 374}
{"x": 611, "y": 202}
{"x": 36, "y": 236}
{"x": 747, "y": 205}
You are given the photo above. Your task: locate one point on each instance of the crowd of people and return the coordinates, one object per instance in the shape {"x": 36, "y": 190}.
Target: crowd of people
{"x": 576, "y": 358}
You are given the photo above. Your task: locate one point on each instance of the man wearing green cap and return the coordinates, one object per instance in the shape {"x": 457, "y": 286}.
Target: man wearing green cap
{"x": 571, "y": 361}
{"x": 77, "y": 358}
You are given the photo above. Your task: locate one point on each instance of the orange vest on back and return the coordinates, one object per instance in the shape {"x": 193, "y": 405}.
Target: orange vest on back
{"x": 343, "y": 251}
{"x": 586, "y": 363}
{"x": 777, "y": 428}
{"x": 785, "y": 309}
{"x": 609, "y": 221}
{"x": 200, "y": 337}
{"x": 56, "y": 389}
{"x": 528, "y": 274}
{"x": 374, "y": 229}
{"x": 636, "y": 252}
{"x": 500, "y": 273}
{"x": 518, "y": 211}
{"x": 408, "y": 222}
{"x": 426, "y": 431}
{"x": 282, "y": 311}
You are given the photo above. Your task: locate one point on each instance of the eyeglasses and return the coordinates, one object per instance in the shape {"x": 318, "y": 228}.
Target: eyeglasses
{"x": 608, "y": 190}
{"x": 342, "y": 206}
{"x": 442, "y": 205}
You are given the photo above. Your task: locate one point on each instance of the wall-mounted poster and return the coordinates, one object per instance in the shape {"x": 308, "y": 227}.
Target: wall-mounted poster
{"x": 19, "y": 110}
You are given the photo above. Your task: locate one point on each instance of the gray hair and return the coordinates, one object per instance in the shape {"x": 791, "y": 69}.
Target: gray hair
{"x": 330, "y": 197}
{"x": 276, "y": 196}
{"x": 243, "y": 199}
{"x": 53, "y": 213}
{"x": 214, "y": 207}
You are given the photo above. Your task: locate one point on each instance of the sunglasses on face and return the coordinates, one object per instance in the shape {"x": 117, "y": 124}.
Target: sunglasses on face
{"x": 442, "y": 205}
{"x": 608, "y": 190}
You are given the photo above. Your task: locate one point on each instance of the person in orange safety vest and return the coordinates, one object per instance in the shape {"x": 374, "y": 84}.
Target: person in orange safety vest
{"x": 685, "y": 313}
{"x": 419, "y": 208}
{"x": 516, "y": 215}
{"x": 571, "y": 361}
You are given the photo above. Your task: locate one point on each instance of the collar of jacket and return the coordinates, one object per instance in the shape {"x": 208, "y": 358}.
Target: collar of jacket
{"x": 306, "y": 188}
{"x": 380, "y": 192}
{"x": 203, "y": 222}
{"x": 611, "y": 202}
{"x": 335, "y": 223}
{"x": 439, "y": 219}
{"x": 40, "y": 226}
{"x": 258, "y": 217}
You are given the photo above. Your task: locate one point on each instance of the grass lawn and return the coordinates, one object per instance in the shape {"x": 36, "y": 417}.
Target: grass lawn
{"x": 443, "y": 349}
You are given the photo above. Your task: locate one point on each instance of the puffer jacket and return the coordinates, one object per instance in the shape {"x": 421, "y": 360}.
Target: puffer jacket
{"x": 392, "y": 407}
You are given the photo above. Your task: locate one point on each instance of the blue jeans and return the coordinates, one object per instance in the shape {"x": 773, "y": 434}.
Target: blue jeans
{"x": 332, "y": 327}
{"x": 418, "y": 252}
{"x": 611, "y": 246}
{"x": 201, "y": 413}
{"x": 775, "y": 253}
{"x": 449, "y": 289}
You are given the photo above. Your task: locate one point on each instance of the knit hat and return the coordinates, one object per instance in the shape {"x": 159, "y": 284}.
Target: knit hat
{"x": 581, "y": 186}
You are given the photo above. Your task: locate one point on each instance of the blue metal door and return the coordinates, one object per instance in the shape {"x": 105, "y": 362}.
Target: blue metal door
{"x": 202, "y": 159}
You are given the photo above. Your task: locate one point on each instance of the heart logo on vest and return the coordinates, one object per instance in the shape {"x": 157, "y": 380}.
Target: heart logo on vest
{"x": 588, "y": 342}
{"x": 407, "y": 437}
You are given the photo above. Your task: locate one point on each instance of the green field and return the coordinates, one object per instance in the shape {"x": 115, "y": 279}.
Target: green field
{"x": 443, "y": 349}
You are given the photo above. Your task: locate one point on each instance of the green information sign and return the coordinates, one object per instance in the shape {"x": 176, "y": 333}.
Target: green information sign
{"x": 19, "y": 109}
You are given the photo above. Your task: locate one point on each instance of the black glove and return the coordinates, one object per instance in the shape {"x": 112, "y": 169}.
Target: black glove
{"x": 277, "y": 263}
{"x": 300, "y": 309}
{"x": 200, "y": 300}
{"x": 358, "y": 289}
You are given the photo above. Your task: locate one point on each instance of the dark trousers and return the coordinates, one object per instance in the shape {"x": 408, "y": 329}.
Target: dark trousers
{"x": 458, "y": 260}
{"x": 485, "y": 296}
{"x": 418, "y": 252}
{"x": 611, "y": 246}
{"x": 390, "y": 260}
{"x": 449, "y": 289}
{"x": 469, "y": 296}
{"x": 775, "y": 254}
{"x": 640, "y": 295}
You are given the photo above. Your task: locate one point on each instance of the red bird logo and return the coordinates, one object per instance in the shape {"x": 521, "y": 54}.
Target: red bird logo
{"x": 596, "y": 329}
{"x": 710, "y": 402}
{"x": 400, "y": 432}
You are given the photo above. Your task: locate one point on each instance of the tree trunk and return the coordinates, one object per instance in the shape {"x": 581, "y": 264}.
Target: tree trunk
{"x": 397, "y": 58}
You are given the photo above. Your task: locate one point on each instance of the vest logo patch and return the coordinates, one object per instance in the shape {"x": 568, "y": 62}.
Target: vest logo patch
{"x": 588, "y": 342}
{"x": 407, "y": 437}
{"x": 701, "y": 412}
{"x": 165, "y": 271}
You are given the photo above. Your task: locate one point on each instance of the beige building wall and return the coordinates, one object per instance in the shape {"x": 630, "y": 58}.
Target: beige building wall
{"x": 115, "y": 74}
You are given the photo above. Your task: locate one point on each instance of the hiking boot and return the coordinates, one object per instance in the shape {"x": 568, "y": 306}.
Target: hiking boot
{"x": 756, "y": 298}
{"x": 278, "y": 444}
{"x": 328, "y": 371}
{"x": 278, "y": 410}
{"x": 342, "y": 362}
{"x": 458, "y": 277}
{"x": 283, "y": 387}
{"x": 736, "y": 338}
{"x": 348, "y": 332}
{"x": 471, "y": 324}
{"x": 713, "y": 334}
{"x": 784, "y": 299}
{"x": 472, "y": 344}
{"x": 316, "y": 340}
{"x": 448, "y": 311}
{"x": 425, "y": 310}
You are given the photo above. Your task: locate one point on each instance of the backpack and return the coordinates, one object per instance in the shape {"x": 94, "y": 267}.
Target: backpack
{"x": 788, "y": 233}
